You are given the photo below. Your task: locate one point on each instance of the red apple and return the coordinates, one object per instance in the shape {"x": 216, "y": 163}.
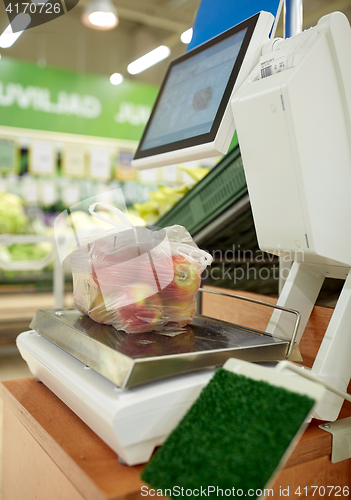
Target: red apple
{"x": 185, "y": 283}
{"x": 183, "y": 316}
{"x": 85, "y": 291}
{"x": 139, "y": 309}
{"x": 162, "y": 267}
{"x": 179, "y": 312}
{"x": 115, "y": 269}
{"x": 99, "y": 313}
{"x": 146, "y": 272}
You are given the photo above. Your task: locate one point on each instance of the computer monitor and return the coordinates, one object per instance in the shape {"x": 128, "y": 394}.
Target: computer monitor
{"x": 191, "y": 118}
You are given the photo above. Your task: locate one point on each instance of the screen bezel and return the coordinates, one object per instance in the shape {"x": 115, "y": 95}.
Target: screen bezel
{"x": 209, "y": 137}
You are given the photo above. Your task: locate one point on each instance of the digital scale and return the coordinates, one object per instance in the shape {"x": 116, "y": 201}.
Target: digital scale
{"x": 292, "y": 114}
{"x": 133, "y": 389}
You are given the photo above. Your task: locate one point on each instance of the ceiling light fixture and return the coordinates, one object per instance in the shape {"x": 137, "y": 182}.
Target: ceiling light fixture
{"x": 186, "y": 36}
{"x": 149, "y": 60}
{"x": 100, "y": 15}
{"x": 116, "y": 79}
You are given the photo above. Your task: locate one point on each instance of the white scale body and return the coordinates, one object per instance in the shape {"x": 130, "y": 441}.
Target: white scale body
{"x": 132, "y": 422}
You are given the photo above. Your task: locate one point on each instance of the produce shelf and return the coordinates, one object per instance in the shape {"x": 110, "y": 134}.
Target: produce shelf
{"x": 17, "y": 311}
{"x": 219, "y": 189}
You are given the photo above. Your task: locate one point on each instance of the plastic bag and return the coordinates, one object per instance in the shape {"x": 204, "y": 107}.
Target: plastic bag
{"x": 136, "y": 279}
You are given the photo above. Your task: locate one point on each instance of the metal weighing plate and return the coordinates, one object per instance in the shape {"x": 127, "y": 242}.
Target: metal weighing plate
{"x": 128, "y": 360}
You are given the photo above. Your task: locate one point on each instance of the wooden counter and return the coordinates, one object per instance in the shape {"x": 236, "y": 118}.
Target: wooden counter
{"x": 50, "y": 454}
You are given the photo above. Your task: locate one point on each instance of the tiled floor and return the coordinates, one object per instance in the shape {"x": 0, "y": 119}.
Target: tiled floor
{"x": 11, "y": 367}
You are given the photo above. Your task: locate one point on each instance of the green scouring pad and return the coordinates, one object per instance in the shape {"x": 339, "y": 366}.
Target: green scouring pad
{"x": 233, "y": 437}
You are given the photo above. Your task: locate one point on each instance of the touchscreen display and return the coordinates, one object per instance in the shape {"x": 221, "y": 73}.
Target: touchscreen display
{"x": 195, "y": 93}
{"x": 192, "y": 94}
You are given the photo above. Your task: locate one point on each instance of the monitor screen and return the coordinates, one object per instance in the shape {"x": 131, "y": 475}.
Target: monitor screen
{"x": 195, "y": 93}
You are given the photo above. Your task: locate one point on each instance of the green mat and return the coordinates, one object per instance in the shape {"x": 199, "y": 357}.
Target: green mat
{"x": 231, "y": 440}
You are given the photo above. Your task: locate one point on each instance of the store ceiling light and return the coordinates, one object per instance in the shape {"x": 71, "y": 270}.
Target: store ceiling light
{"x": 100, "y": 15}
{"x": 8, "y": 37}
{"x": 186, "y": 36}
{"x": 116, "y": 79}
{"x": 149, "y": 60}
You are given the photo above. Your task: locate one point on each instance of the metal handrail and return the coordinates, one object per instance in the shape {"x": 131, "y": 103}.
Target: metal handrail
{"x": 267, "y": 304}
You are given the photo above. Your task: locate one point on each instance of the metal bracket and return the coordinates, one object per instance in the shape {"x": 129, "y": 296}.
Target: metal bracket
{"x": 341, "y": 442}
{"x": 267, "y": 304}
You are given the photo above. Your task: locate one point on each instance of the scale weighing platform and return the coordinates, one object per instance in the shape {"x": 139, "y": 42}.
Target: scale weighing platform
{"x": 133, "y": 389}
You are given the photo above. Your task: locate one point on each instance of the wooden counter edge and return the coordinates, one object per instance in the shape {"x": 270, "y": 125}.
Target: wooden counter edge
{"x": 313, "y": 444}
{"x": 64, "y": 462}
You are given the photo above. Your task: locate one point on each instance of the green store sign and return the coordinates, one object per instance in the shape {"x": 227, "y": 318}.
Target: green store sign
{"x": 62, "y": 101}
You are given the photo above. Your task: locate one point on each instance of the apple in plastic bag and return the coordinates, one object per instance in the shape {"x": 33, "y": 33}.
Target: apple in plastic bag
{"x": 99, "y": 313}
{"x": 139, "y": 309}
{"x": 85, "y": 291}
{"x": 184, "y": 314}
{"x": 185, "y": 283}
{"x": 112, "y": 272}
{"x": 179, "y": 313}
{"x": 114, "y": 266}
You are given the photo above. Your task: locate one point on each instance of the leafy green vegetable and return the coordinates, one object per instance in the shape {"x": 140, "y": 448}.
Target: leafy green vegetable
{"x": 13, "y": 219}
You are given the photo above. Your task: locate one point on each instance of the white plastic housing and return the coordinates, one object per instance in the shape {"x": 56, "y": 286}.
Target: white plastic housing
{"x": 131, "y": 422}
{"x": 295, "y": 138}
